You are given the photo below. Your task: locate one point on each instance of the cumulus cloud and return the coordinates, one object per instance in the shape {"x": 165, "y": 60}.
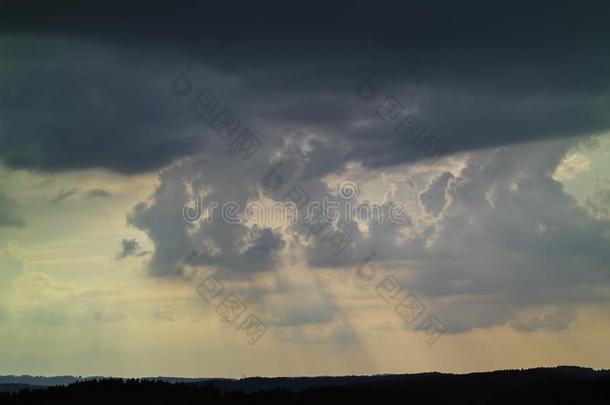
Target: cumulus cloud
{"x": 571, "y": 166}
{"x": 236, "y": 247}
{"x": 513, "y": 238}
{"x": 433, "y": 199}
{"x": 598, "y": 202}
{"x": 494, "y": 238}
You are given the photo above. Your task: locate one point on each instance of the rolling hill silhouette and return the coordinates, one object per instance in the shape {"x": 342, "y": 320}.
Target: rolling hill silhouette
{"x": 560, "y": 385}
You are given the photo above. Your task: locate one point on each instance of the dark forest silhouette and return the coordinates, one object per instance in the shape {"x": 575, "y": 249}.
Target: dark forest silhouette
{"x": 561, "y": 385}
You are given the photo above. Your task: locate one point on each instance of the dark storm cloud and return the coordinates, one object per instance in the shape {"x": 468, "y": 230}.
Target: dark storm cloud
{"x": 69, "y": 105}
{"x": 85, "y": 93}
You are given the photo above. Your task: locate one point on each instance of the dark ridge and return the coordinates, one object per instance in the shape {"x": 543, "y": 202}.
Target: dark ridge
{"x": 560, "y": 385}
{"x": 17, "y": 387}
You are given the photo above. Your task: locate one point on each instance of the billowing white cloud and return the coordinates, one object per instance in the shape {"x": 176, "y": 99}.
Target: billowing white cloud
{"x": 491, "y": 238}
{"x": 571, "y": 166}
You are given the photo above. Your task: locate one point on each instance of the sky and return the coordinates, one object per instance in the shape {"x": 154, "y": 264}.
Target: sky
{"x": 480, "y": 129}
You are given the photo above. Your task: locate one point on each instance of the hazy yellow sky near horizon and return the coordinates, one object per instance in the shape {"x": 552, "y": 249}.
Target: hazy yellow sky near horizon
{"x": 68, "y": 305}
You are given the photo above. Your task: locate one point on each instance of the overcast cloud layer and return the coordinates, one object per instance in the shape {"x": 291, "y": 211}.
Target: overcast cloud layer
{"x": 480, "y": 75}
